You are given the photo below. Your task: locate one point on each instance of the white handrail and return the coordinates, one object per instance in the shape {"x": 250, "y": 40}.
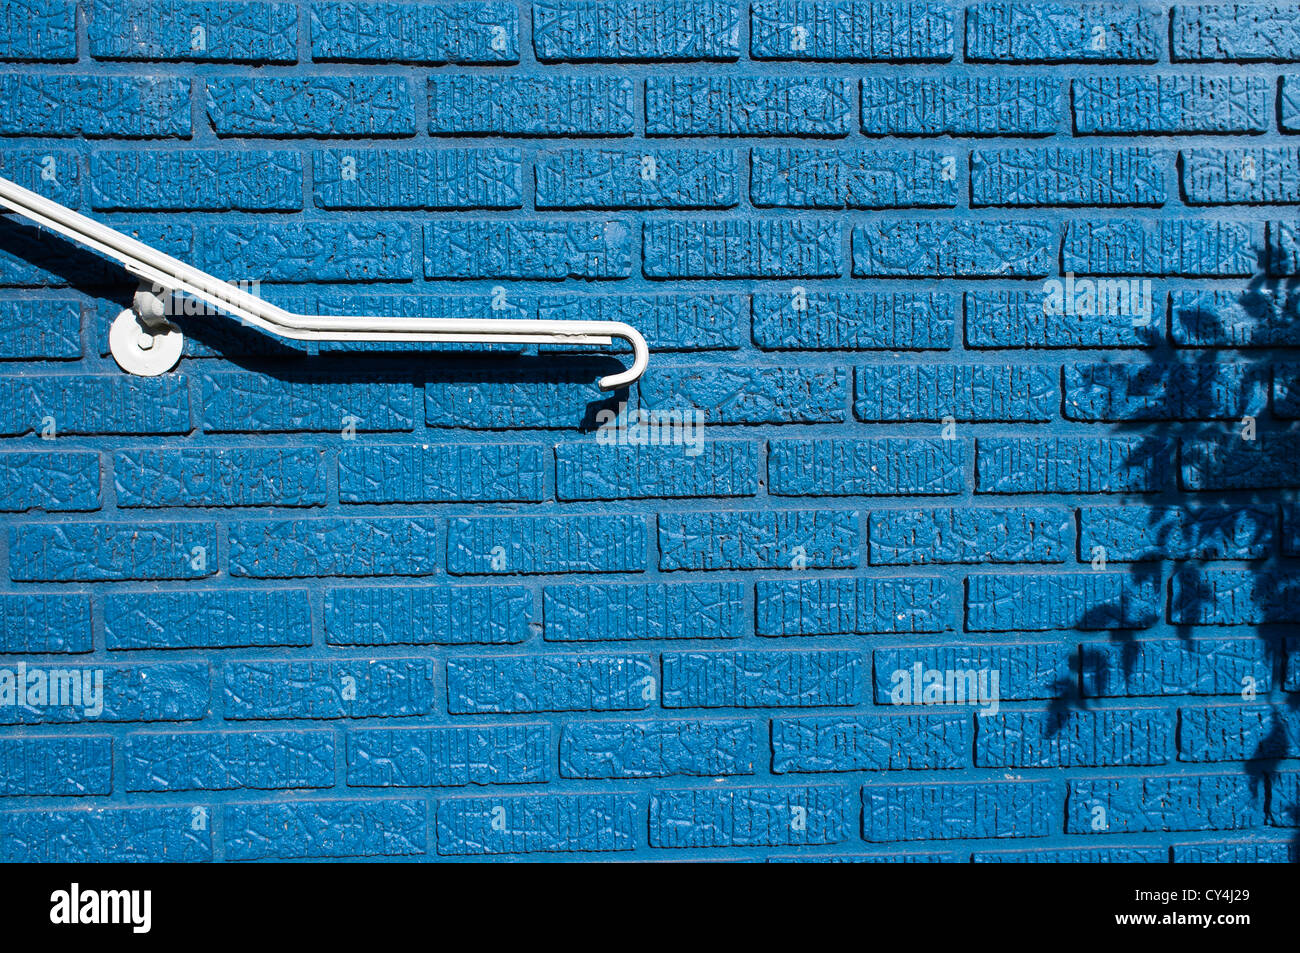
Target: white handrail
{"x": 173, "y": 275}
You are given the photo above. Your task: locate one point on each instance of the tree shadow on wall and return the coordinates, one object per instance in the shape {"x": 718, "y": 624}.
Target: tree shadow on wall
{"x": 1225, "y": 492}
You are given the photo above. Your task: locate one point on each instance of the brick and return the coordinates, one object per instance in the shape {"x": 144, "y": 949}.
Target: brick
{"x": 879, "y": 466}
{"x": 1086, "y": 600}
{"x": 335, "y": 828}
{"x": 748, "y": 106}
{"x": 39, "y": 623}
{"x": 41, "y": 329}
{"x": 742, "y": 248}
{"x": 1062, "y": 33}
{"x": 1230, "y": 463}
{"x": 1289, "y": 104}
{"x": 1130, "y": 532}
{"x": 748, "y": 395}
{"x": 903, "y": 812}
{"x": 228, "y": 760}
{"x": 149, "y": 691}
{"x": 1259, "y": 318}
{"x": 866, "y": 178}
{"x": 772, "y": 539}
{"x": 1187, "y": 247}
{"x": 1204, "y": 802}
{"x": 370, "y": 105}
{"x": 1237, "y": 32}
{"x": 1291, "y": 670}
{"x": 851, "y": 30}
{"x": 219, "y": 477}
{"x": 372, "y": 178}
{"x": 442, "y": 473}
{"x": 1074, "y": 855}
{"x": 448, "y": 756}
{"x": 546, "y": 544}
{"x": 56, "y": 766}
{"x": 1170, "y": 104}
{"x": 461, "y": 32}
{"x": 1233, "y": 597}
{"x": 1073, "y": 738}
{"x": 613, "y": 30}
{"x": 1025, "y": 670}
{"x": 936, "y": 249}
{"x": 380, "y": 546}
{"x": 1286, "y": 390}
{"x": 658, "y": 749}
{"x": 766, "y": 679}
{"x": 976, "y": 535}
{"x": 659, "y": 178}
{"x": 1162, "y": 391}
{"x": 1237, "y": 852}
{"x": 1130, "y": 175}
{"x": 749, "y": 817}
{"x": 427, "y": 615}
{"x": 1030, "y": 319}
{"x": 669, "y": 322}
{"x": 1255, "y": 176}
{"x": 594, "y": 472}
{"x": 311, "y": 251}
{"x": 596, "y": 612}
{"x": 1283, "y": 799}
{"x": 99, "y": 552}
{"x": 854, "y": 320}
{"x": 123, "y": 107}
{"x": 976, "y": 392}
{"x": 488, "y": 400}
{"x": 530, "y": 106}
{"x": 1202, "y": 666}
{"x": 537, "y": 823}
{"x": 502, "y": 684}
{"x": 936, "y": 106}
{"x": 236, "y": 402}
{"x": 543, "y": 250}
{"x": 104, "y": 835}
{"x": 206, "y": 30}
{"x": 214, "y": 618}
{"x": 208, "y": 180}
{"x": 63, "y": 404}
{"x": 39, "y": 30}
{"x": 1237, "y": 733}
{"x": 872, "y": 743}
{"x": 335, "y": 688}
{"x": 28, "y": 259}
{"x": 53, "y": 482}
{"x": 853, "y": 606}
{"x": 54, "y": 173}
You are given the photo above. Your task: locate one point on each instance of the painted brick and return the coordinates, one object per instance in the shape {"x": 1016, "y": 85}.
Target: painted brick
{"x": 1233, "y": 597}
{"x": 1188, "y": 247}
{"x": 851, "y": 30}
{"x": 1116, "y": 736}
{"x": 214, "y": 618}
{"x": 46, "y": 328}
{"x": 872, "y": 742}
{"x": 1257, "y": 318}
{"x": 1074, "y": 855}
{"x": 854, "y": 320}
{"x": 1004, "y": 603}
{"x": 1236, "y": 852}
{"x": 41, "y": 30}
{"x": 772, "y": 539}
{"x": 748, "y": 106}
{"x": 1026, "y": 319}
{"x": 28, "y": 259}
{"x": 227, "y": 477}
{"x": 921, "y": 249}
{"x": 1234, "y": 464}
{"x": 662, "y": 178}
{"x": 103, "y": 835}
{"x": 1162, "y": 391}
{"x": 1062, "y": 33}
{"x": 742, "y": 248}
{"x": 985, "y": 106}
{"x": 127, "y": 107}
{"x": 880, "y": 466}
{"x": 1170, "y": 532}
{"x": 149, "y": 691}
{"x": 1131, "y": 175}
{"x": 336, "y": 828}
{"x": 1026, "y": 670}
{"x": 749, "y": 817}
{"x": 903, "y": 812}
{"x": 461, "y": 32}
{"x": 370, "y": 105}
{"x": 315, "y": 251}
{"x": 1170, "y": 104}
{"x": 669, "y": 322}
{"x": 1237, "y": 733}
{"x": 49, "y": 481}
{"x": 70, "y": 765}
{"x": 63, "y": 404}
{"x": 749, "y": 395}
{"x": 831, "y": 178}
{"x": 208, "y": 180}
{"x": 427, "y": 615}
{"x": 371, "y": 178}
{"x": 853, "y": 606}
{"x": 210, "y": 30}
{"x": 985, "y": 535}
{"x": 54, "y": 173}
{"x": 537, "y": 823}
{"x": 585, "y": 30}
{"x": 337, "y": 688}
{"x": 530, "y": 106}
{"x": 1283, "y": 248}
{"x": 1289, "y": 104}
{"x": 1202, "y": 666}
{"x": 717, "y": 468}
{"x": 228, "y": 760}
{"x": 448, "y": 757}
{"x": 765, "y": 679}
{"x": 546, "y": 544}
{"x": 1286, "y": 390}
{"x": 1284, "y": 799}
{"x": 382, "y": 546}
{"x": 442, "y": 472}
{"x": 40, "y": 623}
{"x": 1256, "y": 176}
{"x": 542, "y": 250}
{"x": 242, "y": 402}
{"x": 607, "y": 612}
{"x": 502, "y": 684}
{"x": 1233, "y": 31}
{"x": 1182, "y": 803}
{"x": 976, "y": 392}
{"x": 95, "y": 552}
{"x": 488, "y": 400}
{"x": 658, "y": 749}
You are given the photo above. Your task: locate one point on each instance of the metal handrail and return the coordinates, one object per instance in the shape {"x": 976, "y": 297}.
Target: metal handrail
{"x": 173, "y": 275}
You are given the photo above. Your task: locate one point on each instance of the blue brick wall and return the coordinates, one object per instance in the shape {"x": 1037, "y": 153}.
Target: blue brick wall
{"x": 395, "y": 602}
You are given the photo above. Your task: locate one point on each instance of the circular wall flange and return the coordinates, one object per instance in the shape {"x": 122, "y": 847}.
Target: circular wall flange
{"x": 141, "y": 351}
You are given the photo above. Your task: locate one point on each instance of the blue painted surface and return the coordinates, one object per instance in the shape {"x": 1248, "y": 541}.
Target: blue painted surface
{"x": 392, "y": 603}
